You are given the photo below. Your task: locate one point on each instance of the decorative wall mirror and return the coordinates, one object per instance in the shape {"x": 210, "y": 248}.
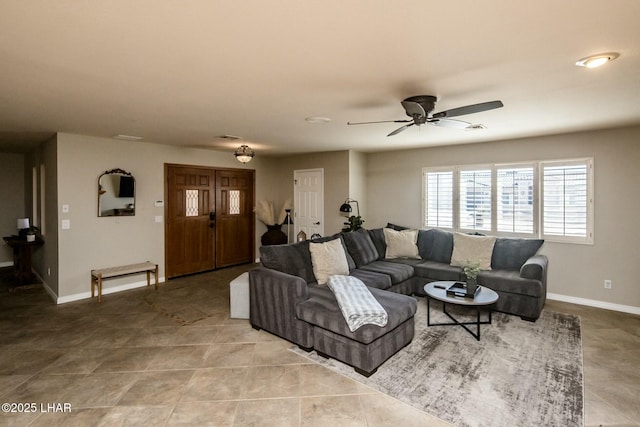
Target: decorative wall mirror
{"x": 116, "y": 193}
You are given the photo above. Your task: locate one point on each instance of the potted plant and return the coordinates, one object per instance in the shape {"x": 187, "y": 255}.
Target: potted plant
{"x": 354, "y": 223}
{"x": 265, "y": 213}
{"x": 471, "y": 270}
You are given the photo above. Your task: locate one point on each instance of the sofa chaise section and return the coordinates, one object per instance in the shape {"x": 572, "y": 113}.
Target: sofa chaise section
{"x": 286, "y": 300}
{"x": 370, "y": 345}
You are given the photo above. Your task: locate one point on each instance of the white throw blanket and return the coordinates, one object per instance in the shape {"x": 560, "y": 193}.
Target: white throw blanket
{"x": 357, "y": 304}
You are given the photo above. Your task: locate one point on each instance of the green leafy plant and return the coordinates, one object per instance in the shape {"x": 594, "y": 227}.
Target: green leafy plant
{"x": 353, "y": 223}
{"x": 471, "y": 269}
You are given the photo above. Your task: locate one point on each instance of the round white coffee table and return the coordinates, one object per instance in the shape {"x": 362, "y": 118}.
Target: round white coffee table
{"x": 482, "y": 300}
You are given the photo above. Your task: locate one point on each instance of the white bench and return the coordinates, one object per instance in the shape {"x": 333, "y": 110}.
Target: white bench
{"x": 97, "y": 276}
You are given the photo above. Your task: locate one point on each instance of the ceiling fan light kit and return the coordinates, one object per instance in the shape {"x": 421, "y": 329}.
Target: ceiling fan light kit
{"x": 419, "y": 108}
{"x": 598, "y": 60}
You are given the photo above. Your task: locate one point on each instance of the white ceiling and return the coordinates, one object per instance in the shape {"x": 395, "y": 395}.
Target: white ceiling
{"x": 186, "y": 72}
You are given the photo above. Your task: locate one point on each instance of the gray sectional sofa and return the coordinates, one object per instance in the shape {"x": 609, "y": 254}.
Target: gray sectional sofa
{"x": 286, "y": 300}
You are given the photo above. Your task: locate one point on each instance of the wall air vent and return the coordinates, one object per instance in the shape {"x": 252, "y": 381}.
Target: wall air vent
{"x": 128, "y": 137}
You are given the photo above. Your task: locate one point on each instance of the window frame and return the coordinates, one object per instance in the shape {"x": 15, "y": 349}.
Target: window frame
{"x": 588, "y": 238}
{"x": 458, "y": 198}
{"x": 538, "y": 198}
{"x": 424, "y": 196}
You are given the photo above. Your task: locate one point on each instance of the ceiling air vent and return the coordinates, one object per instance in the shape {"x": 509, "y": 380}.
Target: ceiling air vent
{"x": 477, "y": 126}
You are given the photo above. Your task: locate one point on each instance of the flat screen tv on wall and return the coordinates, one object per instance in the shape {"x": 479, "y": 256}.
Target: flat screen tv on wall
{"x": 126, "y": 186}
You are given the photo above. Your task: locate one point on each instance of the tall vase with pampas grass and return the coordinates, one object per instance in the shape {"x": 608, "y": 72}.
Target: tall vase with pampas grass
{"x": 266, "y": 214}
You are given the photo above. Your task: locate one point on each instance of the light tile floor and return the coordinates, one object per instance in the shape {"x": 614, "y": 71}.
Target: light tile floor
{"x": 174, "y": 357}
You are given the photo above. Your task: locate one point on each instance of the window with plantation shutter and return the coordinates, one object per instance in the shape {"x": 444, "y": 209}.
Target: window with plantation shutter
{"x": 552, "y": 200}
{"x": 475, "y": 199}
{"x": 514, "y": 199}
{"x": 438, "y": 199}
{"x": 566, "y": 201}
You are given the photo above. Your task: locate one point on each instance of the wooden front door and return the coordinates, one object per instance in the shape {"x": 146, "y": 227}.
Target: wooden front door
{"x": 209, "y": 218}
{"x": 235, "y": 221}
{"x": 190, "y": 245}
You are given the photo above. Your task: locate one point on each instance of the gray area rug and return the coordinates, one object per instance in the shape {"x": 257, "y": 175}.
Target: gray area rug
{"x": 519, "y": 374}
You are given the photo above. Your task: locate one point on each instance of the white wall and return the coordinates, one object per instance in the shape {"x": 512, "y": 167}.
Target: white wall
{"x": 358, "y": 182}
{"x": 94, "y": 242}
{"x": 336, "y": 182}
{"x": 394, "y": 195}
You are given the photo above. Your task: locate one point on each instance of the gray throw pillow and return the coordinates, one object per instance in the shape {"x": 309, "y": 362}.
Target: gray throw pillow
{"x": 440, "y": 243}
{"x": 424, "y": 243}
{"x": 396, "y": 227}
{"x": 377, "y": 236}
{"x": 360, "y": 247}
{"x": 290, "y": 259}
{"x": 511, "y": 254}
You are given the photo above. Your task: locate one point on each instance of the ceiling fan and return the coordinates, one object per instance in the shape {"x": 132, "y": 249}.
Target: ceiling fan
{"x": 419, "y": 108}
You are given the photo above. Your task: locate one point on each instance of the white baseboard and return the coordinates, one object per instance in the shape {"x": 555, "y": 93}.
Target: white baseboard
{"x": 595, "y": 303}
{"x": 46, "y": 287}
{"x": 6, "y": 264}
{"x": 105, "y": 291}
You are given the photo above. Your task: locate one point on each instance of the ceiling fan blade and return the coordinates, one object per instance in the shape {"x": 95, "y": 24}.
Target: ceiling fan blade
{"x": 469, "y": 109}
{"x": 383, "y": 121}
{"x": 400, "y": 129}
{"x": 449, "y": 123}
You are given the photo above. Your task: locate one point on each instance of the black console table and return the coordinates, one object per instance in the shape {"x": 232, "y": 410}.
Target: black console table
{"x": 22, "y": 250}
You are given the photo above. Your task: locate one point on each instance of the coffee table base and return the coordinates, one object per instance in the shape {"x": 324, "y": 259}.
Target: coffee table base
{"x": 477, "y": 322}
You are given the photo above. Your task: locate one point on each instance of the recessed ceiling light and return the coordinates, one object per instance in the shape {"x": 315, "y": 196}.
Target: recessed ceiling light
{"x": 594, "y": 61}
{"x": 128, "y": 137}
{"x": 318, "y": 119}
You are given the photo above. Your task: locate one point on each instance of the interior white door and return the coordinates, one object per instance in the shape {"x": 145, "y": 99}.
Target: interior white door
{"x": 308, "y": 201}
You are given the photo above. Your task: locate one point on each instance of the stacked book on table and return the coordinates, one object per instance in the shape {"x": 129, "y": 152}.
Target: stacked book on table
{"x": 459, "y": 289}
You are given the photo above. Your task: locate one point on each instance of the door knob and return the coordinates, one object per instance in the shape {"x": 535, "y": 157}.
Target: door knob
{"x": 316, "y": 223}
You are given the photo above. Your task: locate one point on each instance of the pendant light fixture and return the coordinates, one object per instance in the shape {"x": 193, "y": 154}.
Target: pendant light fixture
{"x": 244, "y": 154}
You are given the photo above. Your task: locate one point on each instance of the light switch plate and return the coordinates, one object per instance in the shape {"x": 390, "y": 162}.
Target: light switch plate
{"x": 158, "y": 218}
{"x": 158, "y": 203}
{"x": 66, "y": 224}
{"x": 65, "y": 208}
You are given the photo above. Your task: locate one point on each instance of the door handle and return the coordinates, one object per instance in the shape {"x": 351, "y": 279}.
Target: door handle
{"x": 316, "y": 223}
{"x": 212, "y": 219}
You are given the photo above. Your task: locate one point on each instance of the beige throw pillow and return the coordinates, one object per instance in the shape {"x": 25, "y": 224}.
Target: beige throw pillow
{"x": 468, "y": 248}
{"x": 328, "y": 258}
{"x": 401, "y": 244}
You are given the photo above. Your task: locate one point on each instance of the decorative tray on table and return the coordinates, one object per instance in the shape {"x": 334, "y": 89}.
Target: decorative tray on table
{"x": 459, "y": 289}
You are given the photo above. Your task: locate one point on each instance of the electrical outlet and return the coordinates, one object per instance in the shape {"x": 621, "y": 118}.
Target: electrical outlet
{"x": 607, "y": 284}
